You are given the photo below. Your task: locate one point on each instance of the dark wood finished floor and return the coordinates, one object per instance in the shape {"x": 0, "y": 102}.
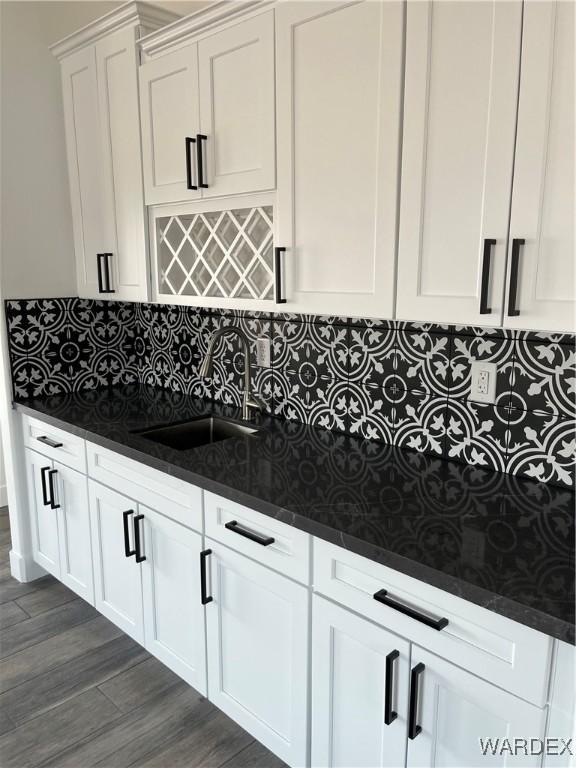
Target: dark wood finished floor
{"x": 75, "y": 691}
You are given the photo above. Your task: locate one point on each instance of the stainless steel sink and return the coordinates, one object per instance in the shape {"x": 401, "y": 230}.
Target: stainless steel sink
{"x": 201, "y": 431}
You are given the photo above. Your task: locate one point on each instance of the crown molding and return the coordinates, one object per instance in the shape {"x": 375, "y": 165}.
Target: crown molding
{"x": 131, "y": 14}
{"x": 196, "y": 23}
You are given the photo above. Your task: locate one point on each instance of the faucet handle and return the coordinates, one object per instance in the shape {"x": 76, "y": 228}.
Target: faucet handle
{"x": 252, "y": 403}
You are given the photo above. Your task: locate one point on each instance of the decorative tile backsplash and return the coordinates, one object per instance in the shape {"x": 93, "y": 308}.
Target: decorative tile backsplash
{"x": 401, "y": 383}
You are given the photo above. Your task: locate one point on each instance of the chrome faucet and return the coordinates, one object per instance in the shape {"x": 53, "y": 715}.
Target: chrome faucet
{"x": 249, "y": 401}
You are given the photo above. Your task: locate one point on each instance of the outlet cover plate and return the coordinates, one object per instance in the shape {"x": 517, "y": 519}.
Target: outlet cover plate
{"x": 483, "y": 382}
{"x": 263, "y": 352}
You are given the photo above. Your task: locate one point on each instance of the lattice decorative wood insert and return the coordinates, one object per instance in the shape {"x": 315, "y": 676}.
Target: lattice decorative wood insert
{"x": 226, "y": 254}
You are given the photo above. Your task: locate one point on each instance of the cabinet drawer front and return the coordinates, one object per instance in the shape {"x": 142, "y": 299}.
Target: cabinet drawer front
{"x": 289, "y": 553}
{"x": 512, "y": 656}
{"x": 55, "y": 443}
{"x": 170, "y": 496}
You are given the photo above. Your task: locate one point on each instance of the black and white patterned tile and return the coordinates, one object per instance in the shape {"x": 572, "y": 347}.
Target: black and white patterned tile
{"x": 420, "y": 422}
{"x": 316, "y": 349}
{"x": 544, "y": 377}
{"x": 371, "y": 412}
{"x": 317, "y": 401}
{"x": 372, "y": 356}
{"x": 542, "y": 446}
{"x": 423, "y": 360}
{"x": 476, "y": 433}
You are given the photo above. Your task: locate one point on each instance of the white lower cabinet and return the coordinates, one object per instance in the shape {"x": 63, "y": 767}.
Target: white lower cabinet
{"x": 454, "y": 710}
{"x": 147, "y": 580}
{"x": 74, "y": 537}
{"x": 43, "y": 519}
{"x": 174, "y": 628}
{"x": 117, "y": 578}
{"x": 359, "y": 691}
{"x": 257, "y": 631}
{"x": 61, "y": 523}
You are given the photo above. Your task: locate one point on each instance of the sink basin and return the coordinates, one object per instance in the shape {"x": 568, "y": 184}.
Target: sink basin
{"x": 198, "y": 432}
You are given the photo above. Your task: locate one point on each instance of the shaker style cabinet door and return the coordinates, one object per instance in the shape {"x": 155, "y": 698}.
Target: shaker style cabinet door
{"x": 43, "y": 515}
{"x": 541, "y": 290}
{"x": 257, "y": 631}
{"x": 450, "y": 710}
{"x": 170, "y": 121}
{"x": 71, "y": 496}
{"x": 173, "y": 613}
{"x": 339, "y": 76}
{"x": 117, "y": 575}
{"x": 359, "y": 691}
{"x": 117, "y": 75}
{"x": 461, "y": 87}
{"x": 92, "y": 211}
{"x": 236, "y": 72}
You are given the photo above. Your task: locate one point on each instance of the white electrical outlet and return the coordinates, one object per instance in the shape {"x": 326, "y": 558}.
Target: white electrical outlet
{"x": 263, "y": 352}
{"x": 483, "y": 382}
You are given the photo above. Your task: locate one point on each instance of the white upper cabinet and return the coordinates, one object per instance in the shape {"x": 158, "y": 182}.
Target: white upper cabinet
{"x": 339, "y": 79}
{"x": 236, "y": 69}
{"x": 92, "y": 217}
{"x": 461, "y": 86}
{"x": 101, "y": 114}
{"x": 208, "y": 115}
{"x": 542, "y": 268}
{"x": 170, "y": 121}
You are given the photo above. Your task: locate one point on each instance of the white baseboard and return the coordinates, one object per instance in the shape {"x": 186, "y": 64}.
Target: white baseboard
{"x": 24, "y": 569}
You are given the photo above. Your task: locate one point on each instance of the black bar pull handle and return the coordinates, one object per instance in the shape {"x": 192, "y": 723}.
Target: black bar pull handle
{"x": 389, "y": 714}
{"x": 200, "y": 159}
{"x": 517, "y": 243}
{"x": 127, "y": 551}
{"x": 104, "y": 273}
{"x": 107, "y": 259}
{"x": 204, "y": 598}
{"x": 99, "y": 257}
{"x": 45, "y": 499}
{"x": 189, "y": 180}
{"x": 137, "y": 539}
{"x": 51, "y": 474}
{"x": 280, "y": 299}
{"x": 485, "y": 286}
{"x": 382, "y": 597}
{"x": 235, "y": 527}
{"x": 413, "y": 728}
{"x": 48, "y": 441}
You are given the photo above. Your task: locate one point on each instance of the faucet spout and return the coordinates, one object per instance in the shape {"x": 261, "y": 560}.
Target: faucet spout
{"x": 250, "y": 402}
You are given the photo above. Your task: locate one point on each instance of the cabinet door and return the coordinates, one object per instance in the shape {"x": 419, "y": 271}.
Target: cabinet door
{"x": 349, "y": 683}
{"x": 43, "y": 519}
{"x": 455, "y": 709}
{"x": 170, "y": 115}
{"x": 117, "y": 67}
{"x": 236, "y": 69}
{"x": 339, "y": 90}
{"x": 117, "y": 578}
{"x": 257, "y": 630}
{"x": 461, "y": 87}
{"x": 173, "y": 613}
{"x": 71, "y": 494}
{"x": 543, "y": 192}
{"x": 92, "y": 212}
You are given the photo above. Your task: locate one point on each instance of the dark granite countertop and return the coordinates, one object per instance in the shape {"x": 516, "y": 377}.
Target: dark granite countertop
{"x": 504, "y": 543}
